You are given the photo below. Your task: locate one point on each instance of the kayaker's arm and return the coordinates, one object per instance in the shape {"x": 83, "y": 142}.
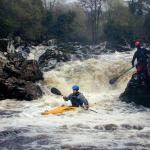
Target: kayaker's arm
{"x": 85, "y": 102}
{"x": 66, "y": 98}
{"x": 134, "y": 57}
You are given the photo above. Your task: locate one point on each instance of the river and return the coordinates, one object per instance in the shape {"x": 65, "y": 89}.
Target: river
{"x": 116, "y": 126}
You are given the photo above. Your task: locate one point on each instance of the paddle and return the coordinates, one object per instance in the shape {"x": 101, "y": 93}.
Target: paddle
{"x": 57, "y": 92}
{"x": 112, "y": 81}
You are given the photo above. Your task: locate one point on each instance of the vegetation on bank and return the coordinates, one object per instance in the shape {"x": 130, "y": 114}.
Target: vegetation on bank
{"x": 116, "y": 21}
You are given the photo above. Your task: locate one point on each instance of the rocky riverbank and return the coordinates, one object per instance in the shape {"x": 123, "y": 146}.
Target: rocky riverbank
{"x": 18, "y": 79}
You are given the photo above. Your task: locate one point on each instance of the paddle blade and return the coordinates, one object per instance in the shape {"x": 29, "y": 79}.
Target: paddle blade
{"x": 55, "y": 91}
{"x": 112, "y": 81}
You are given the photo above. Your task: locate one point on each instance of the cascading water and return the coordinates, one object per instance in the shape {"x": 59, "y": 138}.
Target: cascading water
{"x": 117, "y": 125}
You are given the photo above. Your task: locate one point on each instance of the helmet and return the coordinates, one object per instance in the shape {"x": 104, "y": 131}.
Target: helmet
{"x": 75, "y": 87}
{"x": 138, "y": 44}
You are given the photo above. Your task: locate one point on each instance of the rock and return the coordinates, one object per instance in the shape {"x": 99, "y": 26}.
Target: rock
{"x": 3, "y": 61}
{"x": 139, "y": 94}
{"x": 111, "y": 127}
{"x": 75, "y": 51}
{"x": 50, "y": 59}
{"x": 12, "y": 69}
{"x": 17, "y": 41}
{"x": 17, "y": 79}
{"x": 13, "y": 88}
{"x": 26, "y": 70}
{"x": 18, "y": 76}
{"x": 30, "y": 71}
{"x": 3, "y": 45}
{"x": 118, "y": 48}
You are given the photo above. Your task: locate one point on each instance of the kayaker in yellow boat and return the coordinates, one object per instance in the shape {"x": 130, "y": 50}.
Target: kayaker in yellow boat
{"x": 77, "y": 99}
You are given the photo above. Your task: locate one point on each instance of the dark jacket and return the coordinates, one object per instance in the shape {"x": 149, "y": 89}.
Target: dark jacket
{"x": 141, "y": 55}
{"x": 77, "y": 99}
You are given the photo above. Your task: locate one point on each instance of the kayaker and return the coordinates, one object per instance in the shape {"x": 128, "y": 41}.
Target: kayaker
{"x": 77, "y": 99}
{"x": 142, "y": 56}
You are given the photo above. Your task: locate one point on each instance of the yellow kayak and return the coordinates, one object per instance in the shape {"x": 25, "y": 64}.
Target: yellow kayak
{"x": 59, "y": 110}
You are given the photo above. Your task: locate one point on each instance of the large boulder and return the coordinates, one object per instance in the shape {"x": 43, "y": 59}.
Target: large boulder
{"x": 137, "y": 93}
{"x": 14, "y": 88}
{"x": 17, "y": 79}
{"x": 26, "y": 70}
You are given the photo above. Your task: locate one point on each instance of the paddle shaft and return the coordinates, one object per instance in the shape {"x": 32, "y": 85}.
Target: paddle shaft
{"x": 125, "y": 72}
{"x": 112, "y": 81}
{"x": 93, "y": 111}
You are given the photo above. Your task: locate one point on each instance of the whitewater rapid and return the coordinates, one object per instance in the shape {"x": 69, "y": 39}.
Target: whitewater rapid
{"x": 117, "y": 125}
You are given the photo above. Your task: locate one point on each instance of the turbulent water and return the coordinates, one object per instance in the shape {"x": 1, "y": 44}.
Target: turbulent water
{"x": 117, "y": 125}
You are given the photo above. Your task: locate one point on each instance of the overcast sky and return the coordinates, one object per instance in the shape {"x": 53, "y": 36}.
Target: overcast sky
{"x": 66, "y": 0}
{"x": 71, "y": 0}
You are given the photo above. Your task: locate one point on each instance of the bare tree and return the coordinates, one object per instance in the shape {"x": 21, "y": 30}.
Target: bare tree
{"x": 45, "y": 3}
{"x": 50, "y": 4}
{"x": 93, "y": 9}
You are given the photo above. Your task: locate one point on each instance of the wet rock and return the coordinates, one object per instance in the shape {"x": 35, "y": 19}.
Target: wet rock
{"x": 30, "y": 71}
{"x": 17, "y": 79}
{"x": 74, "y": 51}
{"x": 3, "y": 45}
{"x": 51, "y": 58}
{"x": 126, "y": 126}
{"x": 26, "y": 70}
{"x": 116, "y": 47}
{"x": 130, "y": 127}
{"x": 14, "y": 88}
{"x": 137, "y": 93}
{"x": 3, "y": 61}
{"x": 64, "y": 52}
{"x": 111, "y": 127}
{"x": 99, "y": 127}
{"x": 138, "y": 127}
{"x": 14, "y": 57}
{"x": 43, "y": 142}
{"x": 12, "y": 69}
{"x": 106, "y": 127}
{"x": 66, "y": 146}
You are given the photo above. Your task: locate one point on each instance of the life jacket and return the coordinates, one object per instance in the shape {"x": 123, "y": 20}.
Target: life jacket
{"x": 142, "y": 56}
{"x": 76, "y": 102}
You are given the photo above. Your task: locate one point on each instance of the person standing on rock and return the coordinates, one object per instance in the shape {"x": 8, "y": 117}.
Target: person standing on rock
{"x": 142, "y": 57}
{"x": 77, "y": 99}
